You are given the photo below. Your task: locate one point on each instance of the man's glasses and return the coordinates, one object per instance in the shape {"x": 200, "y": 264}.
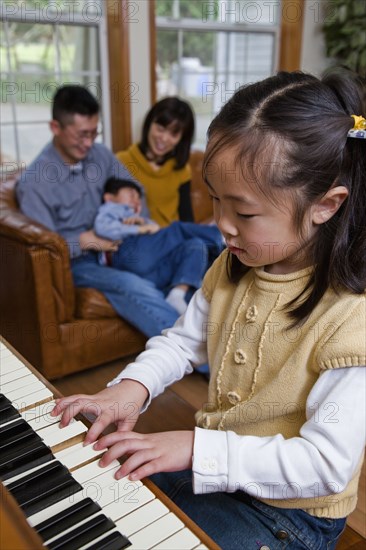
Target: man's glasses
{"x": 87, "y": 134}
{"x": 83, "y": 134}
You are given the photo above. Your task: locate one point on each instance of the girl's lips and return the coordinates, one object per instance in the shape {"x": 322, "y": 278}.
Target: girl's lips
{"x": 235, "y": 249}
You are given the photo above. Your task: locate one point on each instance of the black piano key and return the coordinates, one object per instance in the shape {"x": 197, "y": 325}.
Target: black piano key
{"x": 4, "y": 402}
{"x": 19, "y": 448}
{"x": 83, "y": 534}
{"x": 66, "y": 491}
{"x": 43, "y": 487}
{"x": 114, "y": 541}
{"x": 8, "y": 413}
{"x": 34, "y": 455}
{"x": 67, "y": 518}
{"x": 14, "y": 433}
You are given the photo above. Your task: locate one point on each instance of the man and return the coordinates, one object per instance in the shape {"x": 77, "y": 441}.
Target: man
{"x": 62, "y": 189}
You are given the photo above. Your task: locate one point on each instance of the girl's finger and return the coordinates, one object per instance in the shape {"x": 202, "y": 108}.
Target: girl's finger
{"x": 135, "y": 462}
{"x": 110, "y": 439}
{"x": 146, "y": 470}
{"x": 98, "y": 426}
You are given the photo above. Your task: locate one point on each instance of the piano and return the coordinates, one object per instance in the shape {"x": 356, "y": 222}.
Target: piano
{"x": 53, "y": 493}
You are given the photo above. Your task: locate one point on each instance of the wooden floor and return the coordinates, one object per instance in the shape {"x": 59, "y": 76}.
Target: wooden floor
{"x": 173, "y": 410}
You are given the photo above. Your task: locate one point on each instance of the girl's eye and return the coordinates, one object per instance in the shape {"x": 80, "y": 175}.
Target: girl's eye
{"x": 245, "y": 216}
{"x": 213, "y": 198}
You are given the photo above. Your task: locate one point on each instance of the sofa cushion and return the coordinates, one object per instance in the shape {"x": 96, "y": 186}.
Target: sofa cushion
{"x": 92, "y": 304}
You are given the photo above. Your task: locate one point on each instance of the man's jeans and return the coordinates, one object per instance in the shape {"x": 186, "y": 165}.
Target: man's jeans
{"x": 236, "y": 521}
{"x": 134, "y": 299}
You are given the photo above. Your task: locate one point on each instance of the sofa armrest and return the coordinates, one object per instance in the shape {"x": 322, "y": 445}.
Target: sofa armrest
{"x": 18, "y": 232}
{"x": 201, "y": 202}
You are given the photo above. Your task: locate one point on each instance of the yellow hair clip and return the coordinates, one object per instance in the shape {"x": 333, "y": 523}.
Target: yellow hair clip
{"x": 359, "y": 128}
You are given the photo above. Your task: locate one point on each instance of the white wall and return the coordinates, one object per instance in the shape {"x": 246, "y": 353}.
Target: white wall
{"x": 139, "y": 65}
{"x": 313, "y": 57}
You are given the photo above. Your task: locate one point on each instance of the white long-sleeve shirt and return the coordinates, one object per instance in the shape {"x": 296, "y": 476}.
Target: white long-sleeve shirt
{"x": 319, "y": 462}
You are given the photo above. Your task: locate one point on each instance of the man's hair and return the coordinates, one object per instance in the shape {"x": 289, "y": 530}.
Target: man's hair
{"x": 73, "y": 100}
{"x": 113, "y": 185}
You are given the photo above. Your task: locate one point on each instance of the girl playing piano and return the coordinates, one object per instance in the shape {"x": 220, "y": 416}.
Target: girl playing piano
{"x": 276, "y": 455}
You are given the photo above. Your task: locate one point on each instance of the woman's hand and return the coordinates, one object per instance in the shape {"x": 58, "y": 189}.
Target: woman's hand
{"x": 119, "y": 404}
{"x": 148, "y": 453}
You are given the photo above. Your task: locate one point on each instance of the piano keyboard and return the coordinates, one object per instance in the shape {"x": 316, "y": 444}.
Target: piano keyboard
{"x": 70, "y": 501}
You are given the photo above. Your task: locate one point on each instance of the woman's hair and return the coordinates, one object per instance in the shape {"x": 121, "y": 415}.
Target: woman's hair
{"x": 290, "y": 131}
{"x": 165, "y": 112}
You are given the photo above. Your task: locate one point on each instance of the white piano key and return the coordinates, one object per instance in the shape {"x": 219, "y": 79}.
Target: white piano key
{"x": 126, "y": 504}
{"x": 14, "y": 375}
{"x": 43, "y": 422}
{"x": 137, "y": 520}
{"x": 54, "y": 436}
{"x": 5, "y": 349}
{"x": 123, "y": 489}
{"x": 19, "y": 383}
{"x": 32, "y": 399}
{"x": 11, "y": 362}
{"x": 39, "y": 410}
{"x": 19, "y": 393}
{"x": 78, "y": 455}
{"x": 91, "y": 470}
{"x": 156, "y": 532}
{"x": 182, "y": 540}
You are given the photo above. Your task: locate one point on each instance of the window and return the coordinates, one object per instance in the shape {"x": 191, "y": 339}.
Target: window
{"x": 207, "y": 49}
{"x": 44, "y": 44}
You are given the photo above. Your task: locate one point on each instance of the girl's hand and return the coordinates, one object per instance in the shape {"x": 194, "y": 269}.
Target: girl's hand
{"x": 148, "y": 453}
{"x": 119, "y": 404}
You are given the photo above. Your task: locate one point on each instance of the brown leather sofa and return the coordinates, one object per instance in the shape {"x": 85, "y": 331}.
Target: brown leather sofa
{"x": 61, "y": 329}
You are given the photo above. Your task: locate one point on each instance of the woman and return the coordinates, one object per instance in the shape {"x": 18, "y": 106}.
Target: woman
{"x": 160, "y": 161}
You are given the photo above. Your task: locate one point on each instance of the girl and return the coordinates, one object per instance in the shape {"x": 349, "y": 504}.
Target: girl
{"x": 275, "y": 459}
{"x": 160, "y": 161}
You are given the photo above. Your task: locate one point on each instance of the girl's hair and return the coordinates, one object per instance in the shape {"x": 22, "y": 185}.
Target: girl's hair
{"x": 165, "y": 112}
{"x": 290, "y": 131}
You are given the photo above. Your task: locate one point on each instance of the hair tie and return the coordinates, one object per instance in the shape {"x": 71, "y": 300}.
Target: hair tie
{"x": 359, "y": 128}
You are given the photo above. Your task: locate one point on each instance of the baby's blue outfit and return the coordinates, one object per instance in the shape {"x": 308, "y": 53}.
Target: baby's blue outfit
{"x": 174, "y": 255}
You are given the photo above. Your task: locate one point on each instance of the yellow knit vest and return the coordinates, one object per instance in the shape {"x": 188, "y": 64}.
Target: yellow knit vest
{"x": 262, "y": 372}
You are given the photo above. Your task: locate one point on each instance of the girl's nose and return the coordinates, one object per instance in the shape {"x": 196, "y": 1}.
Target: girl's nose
{"x": 226, "y": 226}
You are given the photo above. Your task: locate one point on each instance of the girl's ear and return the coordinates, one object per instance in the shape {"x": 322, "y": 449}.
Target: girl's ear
{"x": 329, "y": 204}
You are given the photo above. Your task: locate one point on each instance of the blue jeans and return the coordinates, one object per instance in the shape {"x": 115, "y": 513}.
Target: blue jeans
{"x": 136, "y": 300}
{"x": 238, "y": 521}
{"x": 165, "y": 258}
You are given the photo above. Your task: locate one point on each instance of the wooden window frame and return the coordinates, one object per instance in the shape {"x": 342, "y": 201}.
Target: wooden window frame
{"x": 292, "y": 15}
{"x": 119, "y": 73}
{"x": 119, "y": 65}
